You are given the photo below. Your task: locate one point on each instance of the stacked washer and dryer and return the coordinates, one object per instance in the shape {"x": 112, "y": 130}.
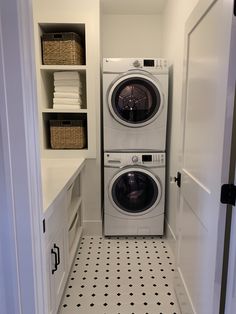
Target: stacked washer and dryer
{"x": 135, "y": 101}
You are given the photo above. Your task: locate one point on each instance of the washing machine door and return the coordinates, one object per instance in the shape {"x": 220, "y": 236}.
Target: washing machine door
{"x": 135, "y": 99}
{"x": 134, "y": 191}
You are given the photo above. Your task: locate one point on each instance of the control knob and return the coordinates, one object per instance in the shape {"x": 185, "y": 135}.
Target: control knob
{"x": 135, "y": 159}
{"x": 136, "y": 64}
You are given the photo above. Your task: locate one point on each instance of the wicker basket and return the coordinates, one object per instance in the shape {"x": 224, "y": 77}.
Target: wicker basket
{"x": 70, "y": 134}
{"x": 62, "y": 48}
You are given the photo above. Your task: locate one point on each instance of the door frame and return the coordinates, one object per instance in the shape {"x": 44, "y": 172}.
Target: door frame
{"x": 197, "y": 14}
{"x": 230, "y": 254}
{"x": 23, "y": 262}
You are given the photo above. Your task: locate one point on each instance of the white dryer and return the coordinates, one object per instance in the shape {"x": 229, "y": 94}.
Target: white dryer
{"x": 134, "y": 188}
{"x": 135, "y": 101}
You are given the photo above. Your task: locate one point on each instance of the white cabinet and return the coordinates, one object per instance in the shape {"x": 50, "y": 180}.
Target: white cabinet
{"x": 56, "y": 249}
{"x": 57, "y": 269}
{"x": 62, "y": 224}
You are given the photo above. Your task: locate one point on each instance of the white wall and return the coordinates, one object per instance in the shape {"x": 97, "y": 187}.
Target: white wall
{"x": 131, "y": 35}
{"x": 173, "y": 22}
{"x": 92, "y": 197}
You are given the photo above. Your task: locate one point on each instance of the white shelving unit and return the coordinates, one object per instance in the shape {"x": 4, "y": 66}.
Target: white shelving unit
{"x": 45, "y": 88}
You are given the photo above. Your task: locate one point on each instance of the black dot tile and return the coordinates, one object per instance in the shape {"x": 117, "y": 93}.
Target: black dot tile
{"x": 144, "y": 267}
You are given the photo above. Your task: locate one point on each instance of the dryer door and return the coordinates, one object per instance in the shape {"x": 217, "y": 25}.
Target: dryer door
{"x": 135, "y": 99}
{"x": 134, "y": 191}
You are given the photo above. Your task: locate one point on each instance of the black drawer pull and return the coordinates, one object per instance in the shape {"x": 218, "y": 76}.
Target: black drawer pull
{"x": 58, "y": 254}
{"x": 55, "y": 261}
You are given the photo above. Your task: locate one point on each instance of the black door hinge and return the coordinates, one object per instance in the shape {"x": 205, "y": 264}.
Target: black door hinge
{"x": 44, "y": 226}
{"x": 178, "y": 179}
{"x": 228, "y": 194}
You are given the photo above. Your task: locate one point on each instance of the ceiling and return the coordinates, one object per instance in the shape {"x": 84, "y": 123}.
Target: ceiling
{"x": 132, "y": 6}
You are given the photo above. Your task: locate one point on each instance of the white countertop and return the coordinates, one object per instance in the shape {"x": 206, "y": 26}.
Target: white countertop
{"x": 56, "y": 175}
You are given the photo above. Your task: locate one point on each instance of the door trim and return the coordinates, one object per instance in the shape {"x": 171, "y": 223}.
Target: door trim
{"x": 20, "y": 160}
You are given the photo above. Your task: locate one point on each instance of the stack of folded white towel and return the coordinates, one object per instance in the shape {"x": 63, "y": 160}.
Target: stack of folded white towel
{"x": 67, "y": 90}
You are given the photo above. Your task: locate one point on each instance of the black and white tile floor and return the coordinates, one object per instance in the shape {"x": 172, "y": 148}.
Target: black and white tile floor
{"x": 121, "y": 275}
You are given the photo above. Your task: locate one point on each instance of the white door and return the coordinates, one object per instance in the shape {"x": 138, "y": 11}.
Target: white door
{"x": 205, "y": 153}
{"x": 231, "y": 280}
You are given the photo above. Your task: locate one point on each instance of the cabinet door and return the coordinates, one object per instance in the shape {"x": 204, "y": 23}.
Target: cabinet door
{"x": 59, "y": 276}
{"x": 57, "y": 268}
{"x": 56, "y": 244}
{"x": 50, "y": 281}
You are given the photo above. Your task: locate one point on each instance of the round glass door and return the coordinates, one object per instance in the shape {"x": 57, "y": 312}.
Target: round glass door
{"x": 135, "y": 191}
{"x": 135, "y": 101}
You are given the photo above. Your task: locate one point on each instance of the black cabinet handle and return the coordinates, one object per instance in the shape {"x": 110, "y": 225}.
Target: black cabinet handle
{"x": 55, "y": 261}
{"x": 178, "y": 179}
{"x": 58, "y": 254}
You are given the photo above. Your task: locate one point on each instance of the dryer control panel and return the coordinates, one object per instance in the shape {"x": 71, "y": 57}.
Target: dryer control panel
{"x": 119, "y": 65}
{"x": 118, "y": 160}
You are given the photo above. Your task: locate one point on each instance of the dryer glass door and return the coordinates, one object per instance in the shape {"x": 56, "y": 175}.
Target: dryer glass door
{"x": 135, "y": 191}
{"x": 135, "y": 101}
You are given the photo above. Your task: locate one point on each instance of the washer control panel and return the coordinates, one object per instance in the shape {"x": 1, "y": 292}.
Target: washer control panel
{"x": 117, "y": 160}
{"x": 159, "y": 63}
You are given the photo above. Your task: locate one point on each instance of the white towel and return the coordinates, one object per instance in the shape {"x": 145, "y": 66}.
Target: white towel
{"x": 66, "y": 75}
{"x": 67, "y": 95}
{"x": 66, "y": 107}
{"x": 67, "y": 83}
{"x": 68, "y": 89}
{"x": 66, "y": 101}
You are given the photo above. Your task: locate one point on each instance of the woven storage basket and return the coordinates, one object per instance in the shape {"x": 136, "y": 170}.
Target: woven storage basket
{"x": 67, "y": 134}
{"x": 62, "y": 48}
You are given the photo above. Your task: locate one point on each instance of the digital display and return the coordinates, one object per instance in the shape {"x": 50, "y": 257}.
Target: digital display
{"x": 146, "y": 157}
{"x": 148, "y": 63}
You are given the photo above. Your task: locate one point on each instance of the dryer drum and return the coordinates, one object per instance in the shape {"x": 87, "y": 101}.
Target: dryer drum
{"x": 136, "y": 100}
{"x": 135, "y": 192}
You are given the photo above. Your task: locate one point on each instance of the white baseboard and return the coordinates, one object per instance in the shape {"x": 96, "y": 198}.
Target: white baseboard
{"x": 181, "y": 290}
{"x": 171, "y": 238}
{"x": 92, "y": 227}
{"x": 182, "y": 294}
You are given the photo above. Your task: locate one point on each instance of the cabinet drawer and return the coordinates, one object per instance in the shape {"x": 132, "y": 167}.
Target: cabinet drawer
{"x": 55, "y": 216}
{"x": 73, "y": 229}
{"x": 73, "y": 198}
{"x": 69, "y": 193}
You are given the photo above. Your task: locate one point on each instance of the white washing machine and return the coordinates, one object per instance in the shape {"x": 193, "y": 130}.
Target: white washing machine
{"x": 135, "y": 101}
{"x": 134, "y": 188}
